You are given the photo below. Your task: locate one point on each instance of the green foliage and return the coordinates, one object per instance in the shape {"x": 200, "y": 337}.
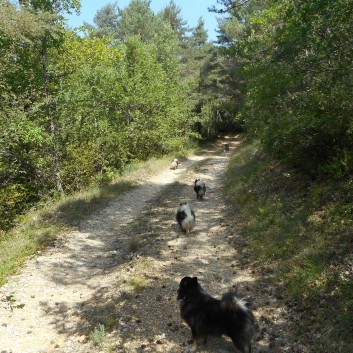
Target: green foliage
{"x": 135, "y": 20}
{"x": 171, "y": 15}
{"x": 199, "y": 34}
{"x": 17, "y": 174}
{"x": 171, "y": 37}
{"x": 301, "y": 230}
{"x": 134, "y": 244}
{"x": 107, "y": 20}
{"x": 99, "y": 336}
{"x": 137, "y": 283}
{"x": 297, "y": 63}
{"x": 27, "y": 134}
{"x": 55, "y": 6}
{"x": 76, "y": 111}
{"x": 128, "y": 107}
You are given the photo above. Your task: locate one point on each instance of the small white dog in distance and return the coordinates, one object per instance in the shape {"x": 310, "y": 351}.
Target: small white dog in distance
{"x": 174, "y": 164}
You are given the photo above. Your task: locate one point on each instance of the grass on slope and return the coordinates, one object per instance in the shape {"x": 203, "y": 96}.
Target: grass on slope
{"x": 303, "y": 230}
{"x": 39, "y": 228}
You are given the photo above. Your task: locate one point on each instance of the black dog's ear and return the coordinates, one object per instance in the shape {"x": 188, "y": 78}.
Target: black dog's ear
{"x": 185, "y": 281}
{"x": 194, "y": 280}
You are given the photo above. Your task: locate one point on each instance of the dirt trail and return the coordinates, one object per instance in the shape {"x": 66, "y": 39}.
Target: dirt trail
{"x": 122, "y": 267}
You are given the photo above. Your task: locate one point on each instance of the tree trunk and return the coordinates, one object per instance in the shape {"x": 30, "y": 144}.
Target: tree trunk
{"x": 54, "y": 151}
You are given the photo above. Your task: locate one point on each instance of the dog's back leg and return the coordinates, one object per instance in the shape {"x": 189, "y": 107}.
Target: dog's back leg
{"x": 193, "y": 332}
{"x": 243, "y": 346}
{"x": 198, "y": 340}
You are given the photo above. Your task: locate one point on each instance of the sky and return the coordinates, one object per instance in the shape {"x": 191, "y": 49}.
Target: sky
{"x": 191, "y": 11}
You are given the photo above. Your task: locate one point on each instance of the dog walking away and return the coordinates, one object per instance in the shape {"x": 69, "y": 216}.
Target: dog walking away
{"x": 207, "y": 316}
{"x": 199, "y": 188}
{"x": 185, "y": 217}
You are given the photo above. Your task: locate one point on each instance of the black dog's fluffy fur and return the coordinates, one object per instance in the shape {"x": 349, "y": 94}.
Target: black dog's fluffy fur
{"x": 199, "y": 188}
{"x": 207, "y": 316}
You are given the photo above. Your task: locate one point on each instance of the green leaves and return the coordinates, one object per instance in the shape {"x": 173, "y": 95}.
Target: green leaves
{"x": 75, "y": 110}
{"x": 297, "y": 63}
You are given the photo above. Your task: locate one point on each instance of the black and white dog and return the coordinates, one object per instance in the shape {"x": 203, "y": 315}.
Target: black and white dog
{"x": 185, "y": 217}
{"x": 200, "y": 189}
{"x": 226, "y": 147}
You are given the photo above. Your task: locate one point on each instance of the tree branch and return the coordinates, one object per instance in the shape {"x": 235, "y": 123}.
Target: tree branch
{"x": 228, "y": 4}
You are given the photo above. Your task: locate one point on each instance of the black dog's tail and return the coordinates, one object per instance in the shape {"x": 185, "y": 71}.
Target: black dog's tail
{"x": 241, "y": 319}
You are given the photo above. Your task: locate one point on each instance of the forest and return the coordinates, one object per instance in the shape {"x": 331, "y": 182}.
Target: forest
{"x": 78, "y": 107}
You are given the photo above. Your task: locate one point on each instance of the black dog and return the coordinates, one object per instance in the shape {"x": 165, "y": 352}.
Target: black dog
{"x": 200, "y": 188}
{"x": 207, "y": 316}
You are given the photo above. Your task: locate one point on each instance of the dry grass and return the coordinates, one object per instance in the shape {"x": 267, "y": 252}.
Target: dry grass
{"x": 302, "y": 230}
{"x": 39, "y": 228}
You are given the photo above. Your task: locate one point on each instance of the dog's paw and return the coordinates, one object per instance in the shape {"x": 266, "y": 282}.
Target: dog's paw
{"x": 193, "y": 347}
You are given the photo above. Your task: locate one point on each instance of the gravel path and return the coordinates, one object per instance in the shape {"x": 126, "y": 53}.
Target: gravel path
{"x": 113, "y": 281}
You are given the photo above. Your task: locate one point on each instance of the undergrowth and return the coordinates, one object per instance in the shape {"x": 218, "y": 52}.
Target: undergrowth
{"x": 99, "y": 336}
{"x": 301, "y": 229}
